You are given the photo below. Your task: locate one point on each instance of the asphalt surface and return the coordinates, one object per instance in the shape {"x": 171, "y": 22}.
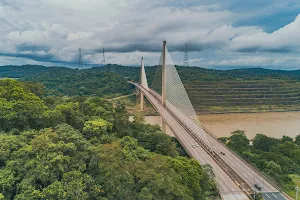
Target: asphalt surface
{"x": 272, "y": 196}
{"x": 227, "y": 187}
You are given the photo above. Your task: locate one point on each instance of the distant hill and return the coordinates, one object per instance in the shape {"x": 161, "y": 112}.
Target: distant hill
{"x": 211, "y": 91}
{"x": 12, "y": 71}
{"x": 64, "y": 81}
{"x": 187, "y": 74}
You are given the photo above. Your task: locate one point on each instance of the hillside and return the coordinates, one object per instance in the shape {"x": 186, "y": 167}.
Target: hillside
{"x": 211, "y": 91}
{"x": 244, "y": 96}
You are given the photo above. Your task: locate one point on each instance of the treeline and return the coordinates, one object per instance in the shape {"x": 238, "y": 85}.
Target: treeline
{"x": 61, "y": 81}
{"x": 85, "y": 148}
{"x": 195, "y": 74}
{"x": 68, "y": 82}
{"x": 98, "y": 80}
{"x": 277, "y": 158}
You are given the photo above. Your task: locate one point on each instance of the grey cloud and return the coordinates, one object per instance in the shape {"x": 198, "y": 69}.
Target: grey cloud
{"x": 32, "y": 47}
{"x": 132, "y": 27}
{"x": 257, "y": 49}
{"x": 141, "y": 47}
{"x": 41, "y": 58}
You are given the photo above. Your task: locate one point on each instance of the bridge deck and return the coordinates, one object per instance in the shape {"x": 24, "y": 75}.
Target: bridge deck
{"x": 228, "y": 188}
{"x": 242, "y": 172}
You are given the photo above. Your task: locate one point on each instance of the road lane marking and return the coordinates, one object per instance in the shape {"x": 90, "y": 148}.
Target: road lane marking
{"x": 274, "y": 196}
{"x": 267, "y": 195}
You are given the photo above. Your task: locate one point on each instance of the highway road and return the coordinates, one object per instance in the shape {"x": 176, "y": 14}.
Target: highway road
{"x": 244, "y": 170}
{"x": 227, "y": 187}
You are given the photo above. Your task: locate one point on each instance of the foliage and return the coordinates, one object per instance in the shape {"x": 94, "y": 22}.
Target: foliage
{"x": 238, "y": 140}
{"x": 19, "y": 107}
{"x": 96, "y": 127}
{"x": 61, "y": 163}
{"x": 70, "y": 82}
{"x": 85, "y": 148}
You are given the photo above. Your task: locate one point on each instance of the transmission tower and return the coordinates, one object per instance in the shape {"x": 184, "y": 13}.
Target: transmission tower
{"x": 186, "y": 58}
{"x": 103, "y": 59}
{"x": 79, "y": 58}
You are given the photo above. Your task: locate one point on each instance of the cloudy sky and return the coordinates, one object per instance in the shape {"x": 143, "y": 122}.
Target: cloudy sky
{"x": 220, "y": 33}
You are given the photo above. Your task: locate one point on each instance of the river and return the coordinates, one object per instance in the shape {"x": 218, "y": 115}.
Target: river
{"x": 273, "y": 124}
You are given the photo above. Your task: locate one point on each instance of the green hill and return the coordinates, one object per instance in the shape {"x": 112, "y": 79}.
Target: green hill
{"x": 211, "y": 91}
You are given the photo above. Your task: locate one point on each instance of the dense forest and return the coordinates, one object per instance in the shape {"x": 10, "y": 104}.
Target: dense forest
{"x": 210, "y": 91}
{"x": 279, "y": 159}
{"x": 61, "y": 81}
{"x": 85, "y": 148}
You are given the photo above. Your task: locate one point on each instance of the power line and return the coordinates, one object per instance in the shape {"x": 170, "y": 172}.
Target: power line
{"x": 186, "y": 58}
{"x": 79, "y": 58}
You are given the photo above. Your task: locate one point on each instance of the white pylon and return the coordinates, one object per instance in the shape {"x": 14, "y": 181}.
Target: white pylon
{"x": 164, "y": 81}
{"x": 144, "y": 84}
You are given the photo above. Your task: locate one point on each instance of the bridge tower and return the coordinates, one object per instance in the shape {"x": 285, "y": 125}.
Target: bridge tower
{"x": 144, "y": 84}
{"x": 163, "y": 81}
{"x": 163, "y": 84}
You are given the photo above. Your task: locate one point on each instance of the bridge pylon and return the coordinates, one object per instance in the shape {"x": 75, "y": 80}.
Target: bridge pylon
{"x": 144, "y": 84}
{"x": 164, "y": 74}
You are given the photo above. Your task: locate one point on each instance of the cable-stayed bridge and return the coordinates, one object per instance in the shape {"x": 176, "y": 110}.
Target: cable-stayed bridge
{"x": 236, "y": 178}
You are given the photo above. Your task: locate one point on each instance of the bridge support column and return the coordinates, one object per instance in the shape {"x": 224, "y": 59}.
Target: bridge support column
{"x": 142, "y": 100}
{"x": 137, "y": 96}
{"x": 163, "y": 81}
{"x": 163, "y": 125}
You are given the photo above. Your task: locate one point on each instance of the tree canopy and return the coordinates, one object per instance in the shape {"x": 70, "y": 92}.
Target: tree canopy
{"x": 85, "y": 148}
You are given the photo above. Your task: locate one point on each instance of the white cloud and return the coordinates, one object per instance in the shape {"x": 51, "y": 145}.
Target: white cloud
{"x": 80, "y": 36}
{"x": 248, "y": 61}
{"x": 129, "y": 29}
{"x": 286, "y": 38}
